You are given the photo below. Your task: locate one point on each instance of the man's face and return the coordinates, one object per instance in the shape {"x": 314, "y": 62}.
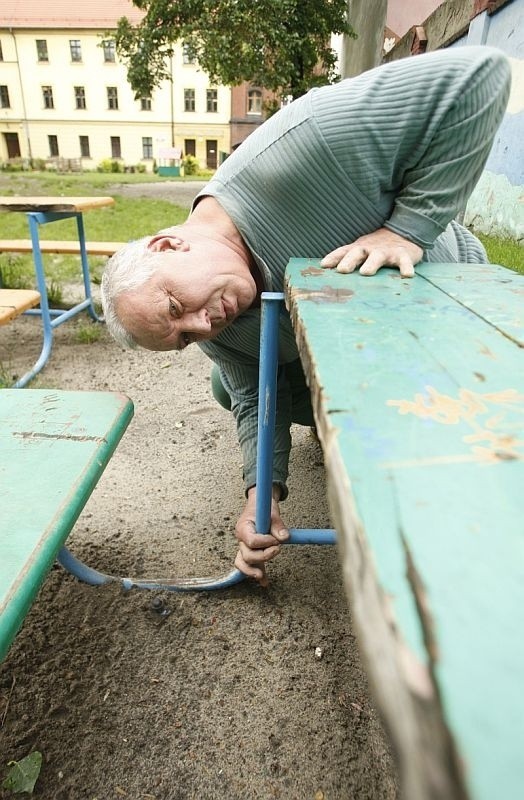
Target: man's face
{"x": 197, "y": 291}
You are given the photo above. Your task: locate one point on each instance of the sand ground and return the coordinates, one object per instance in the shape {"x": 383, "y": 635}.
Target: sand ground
{"x": 217, "y": 695}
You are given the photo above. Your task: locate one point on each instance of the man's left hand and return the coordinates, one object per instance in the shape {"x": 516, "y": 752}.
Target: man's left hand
{"x": 382, "y": 248}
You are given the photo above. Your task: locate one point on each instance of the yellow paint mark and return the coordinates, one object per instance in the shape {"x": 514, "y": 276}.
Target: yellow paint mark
{"x": 490, "y": 439}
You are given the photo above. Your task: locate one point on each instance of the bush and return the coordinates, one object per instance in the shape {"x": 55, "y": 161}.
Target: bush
{"x": 191, "y": 165}
{"x": 110, "y": 165}
{"x": 15, "y": 165}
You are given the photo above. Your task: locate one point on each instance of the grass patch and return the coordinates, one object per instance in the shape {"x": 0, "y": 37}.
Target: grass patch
{"x": 506, "y": 252}
{"x": 88, "y": 332}
{"x": 6, "y": 380}
{"x": 129, "y": 218}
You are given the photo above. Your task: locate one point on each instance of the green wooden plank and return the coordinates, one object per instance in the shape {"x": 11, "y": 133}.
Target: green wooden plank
{"x": 423, "y": 383}
{"x": 490, "y": 291}
{"x": 54, "y": 446}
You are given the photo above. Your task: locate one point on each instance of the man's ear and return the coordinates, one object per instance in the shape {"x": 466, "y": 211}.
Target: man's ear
{"x": 167, "y": 241}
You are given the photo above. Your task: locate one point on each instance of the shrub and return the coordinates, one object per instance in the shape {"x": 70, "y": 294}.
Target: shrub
{"x": 191, "y": 165}
{"x": 110, "y": 165}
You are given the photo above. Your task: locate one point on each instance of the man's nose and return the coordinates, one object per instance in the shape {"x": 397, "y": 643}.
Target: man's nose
{"x": 199, "y": 322}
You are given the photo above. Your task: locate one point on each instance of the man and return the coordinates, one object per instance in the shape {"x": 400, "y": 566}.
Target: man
{"x": 366, "y": 173}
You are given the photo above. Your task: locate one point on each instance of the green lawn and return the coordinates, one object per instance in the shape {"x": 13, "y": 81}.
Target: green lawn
{"x": 506, "y": 252}
{"x": 128, "y": 218}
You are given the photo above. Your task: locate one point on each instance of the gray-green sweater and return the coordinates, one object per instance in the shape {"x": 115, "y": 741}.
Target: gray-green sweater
{"x": 400, "y": 146}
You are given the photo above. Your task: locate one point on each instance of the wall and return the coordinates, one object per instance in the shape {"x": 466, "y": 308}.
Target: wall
{"x": 497, "y": 203}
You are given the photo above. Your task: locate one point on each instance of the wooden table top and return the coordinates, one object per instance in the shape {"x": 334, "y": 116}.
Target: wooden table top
{"x": 418, "y": 389}
{"x": 57, "y": 204}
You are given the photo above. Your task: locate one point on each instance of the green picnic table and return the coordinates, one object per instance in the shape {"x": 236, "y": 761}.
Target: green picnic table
{"x": 418, "y": 392}
{"x": 54, "y": 446}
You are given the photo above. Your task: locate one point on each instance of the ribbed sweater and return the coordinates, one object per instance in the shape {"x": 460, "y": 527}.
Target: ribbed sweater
{"x": 401, "y": 146}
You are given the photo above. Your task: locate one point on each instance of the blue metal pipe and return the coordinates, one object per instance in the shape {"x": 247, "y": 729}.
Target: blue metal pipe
{"x": 271, "y": 303}
{"x": 314, "y": 536}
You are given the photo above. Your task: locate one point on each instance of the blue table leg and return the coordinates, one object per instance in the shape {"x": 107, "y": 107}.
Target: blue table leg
{"x": 43, "y": 311}
{"x": 267, "y": 396}
{"x": 85, "y": 268}
{"x": 271, "y": 308}
{"x": 272, "y": 305}
{"x": 52, "y": 317}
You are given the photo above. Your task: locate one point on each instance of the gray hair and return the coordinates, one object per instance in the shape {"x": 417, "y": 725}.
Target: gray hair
{"x": 129, "y": 268}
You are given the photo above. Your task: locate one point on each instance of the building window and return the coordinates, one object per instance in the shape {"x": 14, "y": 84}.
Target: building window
{"x": 108, "y": 46}
{"x": 112, "y": 98}
{"x": 47, "y": 94}
{"x": 190, "y": 147}
{"x": 80, "y": 97}
{"x": 116, "y": 150}
{"x": 188, "y": 56}
{"x": 211, "y": 100}
{"x": 254, "y": 101}
{"x": 41, "y": 50}
{"x": 53, "y": 146}
{"x": 4, "y": 97}
{"x": 84, "y": 147}
{"x": 75, "y": 49}
{"x": 189, "y": 99}
{"x": 145, "y": 103}
{"x": 147, "y": 147}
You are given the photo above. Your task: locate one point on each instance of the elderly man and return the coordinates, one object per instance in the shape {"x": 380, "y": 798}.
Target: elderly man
{"x": 366, "y": 173}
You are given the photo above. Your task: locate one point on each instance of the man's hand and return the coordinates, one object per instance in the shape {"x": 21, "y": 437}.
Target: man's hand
{"x": 382, "y": 248}
{"x": 255, "y": 549}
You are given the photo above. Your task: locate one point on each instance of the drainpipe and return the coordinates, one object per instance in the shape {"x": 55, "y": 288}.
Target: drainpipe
{"x": 171, "y": 88}
{"x": 25, "y": 120}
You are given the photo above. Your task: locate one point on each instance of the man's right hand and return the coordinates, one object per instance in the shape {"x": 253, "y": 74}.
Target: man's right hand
{"x": 255, "y": 549}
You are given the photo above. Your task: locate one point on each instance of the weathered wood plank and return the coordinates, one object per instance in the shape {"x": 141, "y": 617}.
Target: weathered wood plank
{"x": 418, "y": 390}
{"x": 15, "y": 301}
{"x": 59, "y": 246}
{"x": 44, "y": 204}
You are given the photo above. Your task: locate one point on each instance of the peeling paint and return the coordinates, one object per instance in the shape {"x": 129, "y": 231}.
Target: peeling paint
{"x": 311, "y": 270}
{"x": 489, "y": 437}
{"x": 58, "y": 436}
{"x": 326, "y": 294}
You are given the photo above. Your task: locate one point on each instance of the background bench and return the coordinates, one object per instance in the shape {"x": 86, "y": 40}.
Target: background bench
{"x": 54, "y": 446}
{"x": 418, "y": 392}
{"x": 23, "y": 301}
{"x": 59, "y": 247}
{"x": 15, "y": 301}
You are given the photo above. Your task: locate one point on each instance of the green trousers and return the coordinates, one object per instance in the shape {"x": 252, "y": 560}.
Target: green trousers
{"x": 301, "y": 410}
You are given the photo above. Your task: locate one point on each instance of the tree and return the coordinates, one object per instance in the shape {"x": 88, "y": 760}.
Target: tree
{"x": 280, "y": 45}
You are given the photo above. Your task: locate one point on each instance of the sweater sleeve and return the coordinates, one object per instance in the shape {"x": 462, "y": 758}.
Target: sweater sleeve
{"x": 439, "y": 184}
{"x": 414, "y": 134}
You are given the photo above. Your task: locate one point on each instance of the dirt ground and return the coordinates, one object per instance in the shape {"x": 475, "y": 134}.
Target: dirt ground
{"x": 216, "y": 695}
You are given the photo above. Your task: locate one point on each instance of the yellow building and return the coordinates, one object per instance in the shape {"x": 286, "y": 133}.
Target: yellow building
{"x": 64, "y": 93}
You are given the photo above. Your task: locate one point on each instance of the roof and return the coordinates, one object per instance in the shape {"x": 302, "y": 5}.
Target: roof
{"x": 54, "y": 14}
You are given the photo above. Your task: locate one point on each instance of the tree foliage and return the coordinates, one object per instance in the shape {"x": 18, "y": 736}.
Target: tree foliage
{"x": 281, "y": 45}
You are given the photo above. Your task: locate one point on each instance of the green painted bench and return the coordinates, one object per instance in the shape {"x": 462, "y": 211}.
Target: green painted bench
{"x": 418, "y": 391}
{"x": 54, "y": 446}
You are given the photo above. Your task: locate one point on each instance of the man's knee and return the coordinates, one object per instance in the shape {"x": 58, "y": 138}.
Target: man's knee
{"x": 219, "y": 391}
